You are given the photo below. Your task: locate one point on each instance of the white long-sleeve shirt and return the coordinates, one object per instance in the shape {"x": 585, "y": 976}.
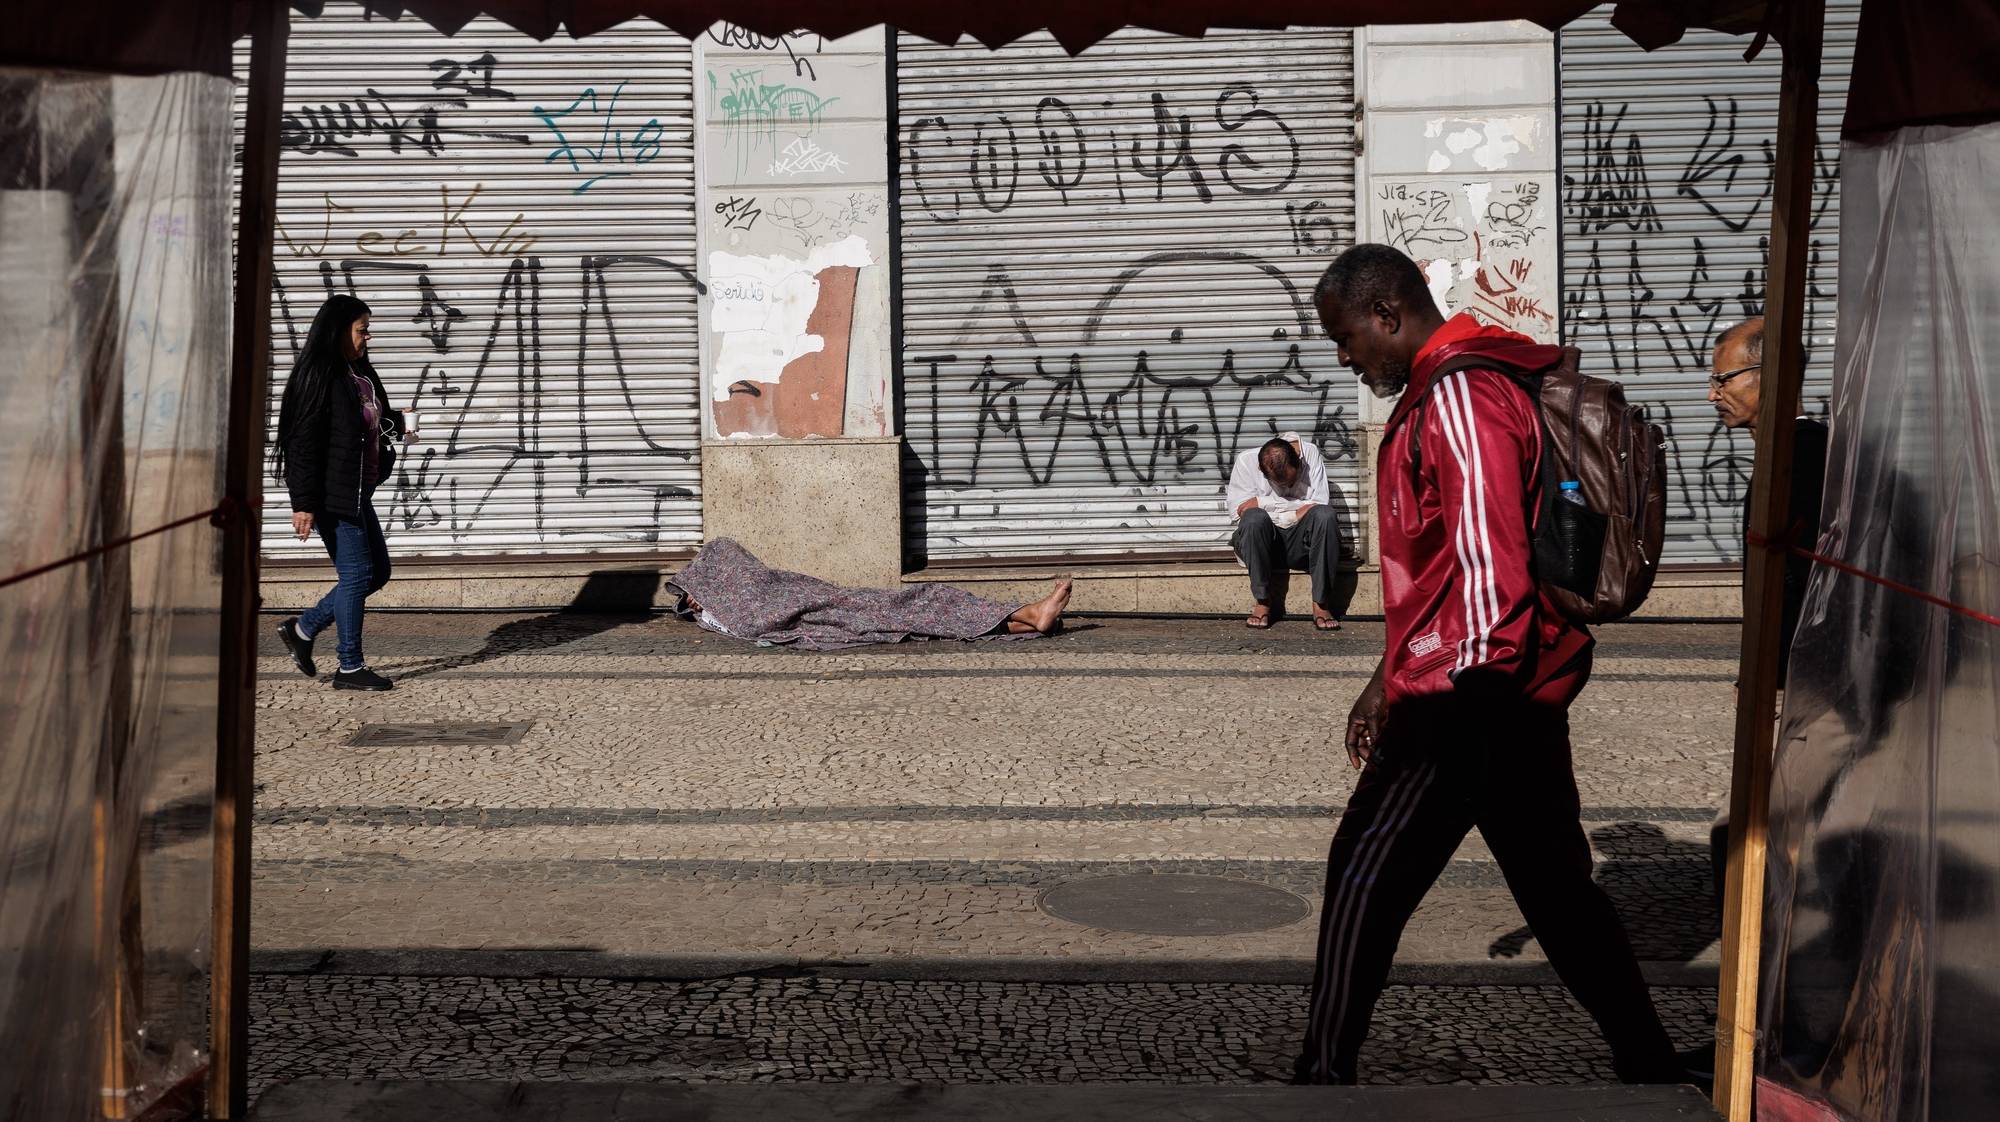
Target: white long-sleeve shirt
{"x": 1247, "y": 481}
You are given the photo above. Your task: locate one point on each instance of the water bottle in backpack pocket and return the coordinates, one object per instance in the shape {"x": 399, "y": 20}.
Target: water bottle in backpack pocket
{"x": 1601, "y": 523}
{"x": 1570, "y": 557}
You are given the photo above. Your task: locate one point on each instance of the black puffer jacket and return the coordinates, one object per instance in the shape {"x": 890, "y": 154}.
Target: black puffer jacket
{"x": 324, "y": 457}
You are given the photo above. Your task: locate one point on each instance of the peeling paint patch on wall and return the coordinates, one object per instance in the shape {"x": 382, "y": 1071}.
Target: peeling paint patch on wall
{"x": 808, "y": 398}
{"x": 1437, "y": 274}
{"x": 761, "y": 307}
{"x": 1491, "y": 142}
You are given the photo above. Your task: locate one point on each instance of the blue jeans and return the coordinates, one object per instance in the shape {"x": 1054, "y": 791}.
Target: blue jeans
{"x": 361, "y": 564}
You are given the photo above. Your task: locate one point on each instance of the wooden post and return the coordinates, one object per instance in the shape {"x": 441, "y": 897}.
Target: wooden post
{"x": 1764, "y": 568}
{"x": 236, "y": 718}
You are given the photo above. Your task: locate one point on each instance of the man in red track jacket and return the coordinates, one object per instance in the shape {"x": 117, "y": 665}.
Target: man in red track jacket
{"x": 1465, "y": 722}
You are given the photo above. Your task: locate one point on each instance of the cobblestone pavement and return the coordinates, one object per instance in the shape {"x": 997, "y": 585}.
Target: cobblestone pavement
{"x": 680, "y": 794}
{"x": 768, "y": 1030}
{"x": 679, "y": 801}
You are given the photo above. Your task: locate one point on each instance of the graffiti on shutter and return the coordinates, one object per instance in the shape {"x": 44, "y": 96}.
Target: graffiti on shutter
{"x": 1109, "y": 264}
{"x": 1667, "y": 192}
{"x": 519, "y": 218}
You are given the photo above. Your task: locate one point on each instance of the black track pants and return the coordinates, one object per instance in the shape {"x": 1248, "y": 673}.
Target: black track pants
{"x": 1511, "y": 778}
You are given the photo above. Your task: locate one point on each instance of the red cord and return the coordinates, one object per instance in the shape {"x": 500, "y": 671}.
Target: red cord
{"x": 1761, "y": 541}
{"x": 216, "y": 513}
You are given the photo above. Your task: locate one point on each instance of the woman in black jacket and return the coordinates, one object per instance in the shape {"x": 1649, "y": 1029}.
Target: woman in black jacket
{"x": 336, "y": 444}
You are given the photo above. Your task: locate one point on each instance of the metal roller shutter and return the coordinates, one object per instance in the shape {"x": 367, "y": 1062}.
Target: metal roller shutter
{"x": 1107, "y": 267}
{"x": 520, "y": 218}
{"x": 1668, "y": 171}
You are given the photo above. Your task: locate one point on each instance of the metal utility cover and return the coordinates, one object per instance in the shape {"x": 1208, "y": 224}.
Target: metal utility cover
{"x": 1173, "y": 904}
{"x": 406, "y": 735}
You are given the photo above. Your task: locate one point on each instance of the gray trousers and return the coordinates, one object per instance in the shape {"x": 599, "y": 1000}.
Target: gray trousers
{"x": 1271, "y": 553}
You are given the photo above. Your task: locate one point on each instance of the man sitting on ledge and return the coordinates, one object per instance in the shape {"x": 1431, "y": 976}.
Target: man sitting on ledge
{"x": 1278, "y": 496}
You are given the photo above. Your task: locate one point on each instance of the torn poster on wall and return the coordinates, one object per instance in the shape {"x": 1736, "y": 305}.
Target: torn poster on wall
{"x": 783, "y": 324}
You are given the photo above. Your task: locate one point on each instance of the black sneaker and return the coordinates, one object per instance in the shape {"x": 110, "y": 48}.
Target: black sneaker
{"x": 361, "y": 678}
{"x": 300, "y": 647}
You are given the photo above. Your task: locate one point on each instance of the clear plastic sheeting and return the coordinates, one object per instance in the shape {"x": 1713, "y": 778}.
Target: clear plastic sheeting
{"x": 114, "y": 319}
{"x": 1881, "y": 974}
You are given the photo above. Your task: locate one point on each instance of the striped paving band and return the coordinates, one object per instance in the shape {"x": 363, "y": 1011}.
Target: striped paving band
{"x": 506, "y": 817}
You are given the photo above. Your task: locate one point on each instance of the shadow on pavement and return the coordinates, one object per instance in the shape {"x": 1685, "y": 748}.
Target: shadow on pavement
{"x": 608, "y": 599}
{"x": 1660, "y": 887}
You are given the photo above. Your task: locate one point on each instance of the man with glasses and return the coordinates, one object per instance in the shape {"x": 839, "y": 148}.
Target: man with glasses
{"x": 1735, "y": 389}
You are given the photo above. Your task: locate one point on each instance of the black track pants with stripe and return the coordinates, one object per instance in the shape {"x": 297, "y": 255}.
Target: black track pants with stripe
{"x": 1511, "y": 778}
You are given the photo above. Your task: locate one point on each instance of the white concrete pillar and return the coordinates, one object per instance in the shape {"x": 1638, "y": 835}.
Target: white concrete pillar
{"x": 1459, "y": 170}
{"x": 1460, "y": 156}
{"x": 800, "y": 460}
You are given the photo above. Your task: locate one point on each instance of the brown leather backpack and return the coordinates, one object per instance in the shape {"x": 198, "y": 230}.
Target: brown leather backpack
{"x": 1596, "y": 561}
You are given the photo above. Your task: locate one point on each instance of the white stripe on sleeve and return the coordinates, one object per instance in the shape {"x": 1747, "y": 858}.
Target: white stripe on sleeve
{"x": 1488, "y": 586}
{"x": 1468, "y": 554}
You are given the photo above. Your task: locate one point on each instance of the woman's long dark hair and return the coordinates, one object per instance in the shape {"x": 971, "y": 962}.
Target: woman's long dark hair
{"x": 320, "y": 361}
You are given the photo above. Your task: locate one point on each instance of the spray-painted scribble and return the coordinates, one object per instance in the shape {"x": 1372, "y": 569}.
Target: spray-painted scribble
{"x": 739, "y": 213}
{"x": 1144, "y": 414}
{"x": 824, "y": 219}
{"x": 595, "y": 143}
{"x": 805, "y": 157}
{"x": 1239, "y": 146}
{"x": 399, "y": 122}
{"x": 1640, "y": 313}
{"x": 491, "y": 401}
{"x": 753, "y": 113}
{"x": 457, "y": 225}
{"x": 469, "y": 78}
{"x": 539, "y": 377}
{"x": 800, "y": 47}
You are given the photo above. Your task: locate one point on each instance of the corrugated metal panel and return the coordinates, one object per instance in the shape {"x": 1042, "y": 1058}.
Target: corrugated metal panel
{"x": 1668, "y": 172}
{"x": 1108, "y": 264}
{"x": 520, "y": 218}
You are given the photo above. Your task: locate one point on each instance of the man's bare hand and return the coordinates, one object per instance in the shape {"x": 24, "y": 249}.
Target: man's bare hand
{"x": 1300, "y": 513}
{"x": 1364, "y": 722}
{"x": 1246, "y": 506}
{"x": 302, "y": 524}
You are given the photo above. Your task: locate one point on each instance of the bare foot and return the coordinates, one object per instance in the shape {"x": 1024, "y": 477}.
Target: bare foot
{"x": 1324, "y": 620}
{"x": 1045, "y": 615}
{"x": 1260, "y": 618}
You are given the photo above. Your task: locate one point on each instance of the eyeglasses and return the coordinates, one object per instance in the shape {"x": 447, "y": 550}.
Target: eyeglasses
{"x": 1717, "y": 381}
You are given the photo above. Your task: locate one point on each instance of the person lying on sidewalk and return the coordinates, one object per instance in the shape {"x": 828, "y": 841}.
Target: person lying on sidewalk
{"x": 727, "y": 590}
{"x": 1279, "y": 499}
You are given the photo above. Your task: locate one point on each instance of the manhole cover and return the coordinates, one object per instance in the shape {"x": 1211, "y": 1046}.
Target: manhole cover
{"x": 1174, "y": 904}
{"x": 446, "y": 732}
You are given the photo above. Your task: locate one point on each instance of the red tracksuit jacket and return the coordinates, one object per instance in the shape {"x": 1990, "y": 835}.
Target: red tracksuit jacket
{"x": 1458, "y": 588}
